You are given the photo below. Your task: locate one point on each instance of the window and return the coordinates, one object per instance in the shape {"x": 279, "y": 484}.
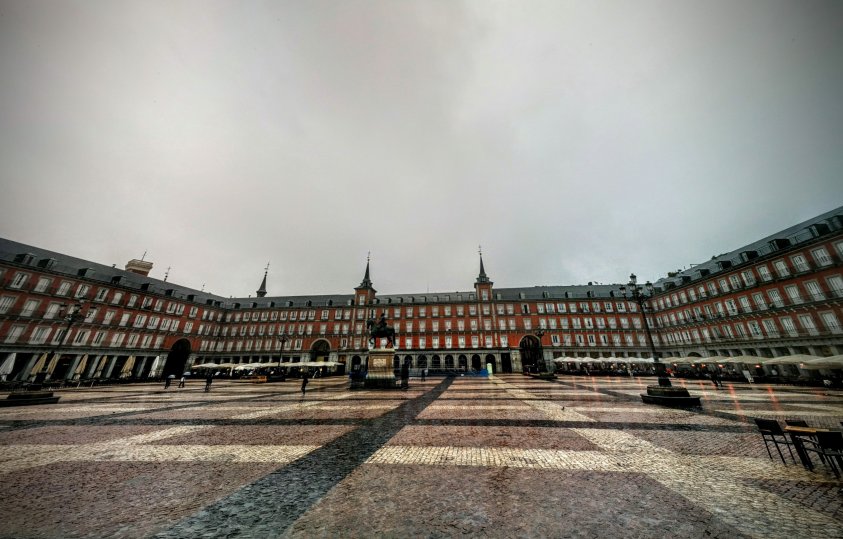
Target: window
{"x": 39, "y": 336}
{"x": 770, "y": 327}
{"x": 765, "y": 274}
{"x": 140, "y": 320}
{"x": 14, "y": 333}
{"x": 101, "y": 293}
{"x": 807, "y": 322}
{"x": 754, "y": 329}
{"x": 814, "y": 291}
{"x": 800, "y": 263}
{"x": 52, "y": 310}
{"x": 475, "y": 341}
{"x": 724, "y": 286}
{"x": 835, "y": 284}
{"x": 42, "y": 285}
{"x": 788, "y": 325}
{"x": 821, "y": 257}
{"x": 745, "y": 304}
{"x": 759, "y": 301}
{"x": 781, "y": 268}
{"x": 81, "y": 337}
{"x": 736, "y": 283}
{"x": 748, "y": 277}
{"x": 115, "y": 299}
{"x": 29, "y": 307}
{"x": 830, "y": 322}
{"x": 19, "y": 280}
{"x": 793, "y": 293}
{"x": 64, "y": 288}
{"x": 775, "y": 297}
{"x": 82, "y": 290}
{"x": 134, "y": 299}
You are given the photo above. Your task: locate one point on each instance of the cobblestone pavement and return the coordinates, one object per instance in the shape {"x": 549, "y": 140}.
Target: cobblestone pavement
{"x": 505, "y": 456}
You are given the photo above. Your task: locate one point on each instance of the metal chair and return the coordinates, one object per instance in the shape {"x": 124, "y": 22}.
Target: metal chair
{"x": 829, "y": 446}
{"x": 771, "y": 431}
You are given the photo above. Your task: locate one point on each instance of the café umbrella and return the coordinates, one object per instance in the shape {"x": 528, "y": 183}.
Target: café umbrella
{"x": 126, "y": 371}
{"x": 7, "y": 366}
{"x": 81, "y": 368}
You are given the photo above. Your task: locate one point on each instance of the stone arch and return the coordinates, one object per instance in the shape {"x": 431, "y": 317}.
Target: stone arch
{"x": 177, "y": 358}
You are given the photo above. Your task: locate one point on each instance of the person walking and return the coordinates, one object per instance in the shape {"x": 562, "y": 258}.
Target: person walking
{"x": 208, "y": 380}
{"x": 424, "y": 374}
{"x": 405, "y": 375}
{"x": 304, "y": 378}
{"x": 181, "y": 382}
{"x": 169, "y": 380}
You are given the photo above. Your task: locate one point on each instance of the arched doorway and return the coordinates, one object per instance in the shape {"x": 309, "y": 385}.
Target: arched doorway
{"x": 320, "y": 350}
{"x": 355, "y": 363}
{"x": 421, "y": 362}
{"x": 506, "y": 362}
{"x": 449, "y": 361}
{"x": 476, "y": 363}
{"x": 436, "y": 363}
{"x": 396, "y": 363}
{"x": 463, "y": 362}
{"x": 177, "y": 358}
{"x": 490, "y": 359}
{"x": 531, "y": 353}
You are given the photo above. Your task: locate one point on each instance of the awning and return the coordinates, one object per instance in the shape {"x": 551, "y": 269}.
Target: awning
{"x": 788, "y": 360}
{"x": 831, "y": 362}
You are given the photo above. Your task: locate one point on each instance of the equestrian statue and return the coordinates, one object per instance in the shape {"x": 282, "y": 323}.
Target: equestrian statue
{"x": 378, "y": 329}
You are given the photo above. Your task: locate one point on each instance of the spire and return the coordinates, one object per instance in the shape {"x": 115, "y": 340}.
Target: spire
{"x": 261, "y": 292}
{"x": 367, "y": 282}
{"x": 482, "y": 278}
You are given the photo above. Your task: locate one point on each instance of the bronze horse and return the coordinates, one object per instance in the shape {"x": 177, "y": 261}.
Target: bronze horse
{"x": 377, "y": 330}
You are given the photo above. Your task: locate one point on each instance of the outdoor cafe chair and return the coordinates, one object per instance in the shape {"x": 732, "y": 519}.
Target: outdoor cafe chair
{"x": 771, "y": 431}
{"x": 829, "y": 446}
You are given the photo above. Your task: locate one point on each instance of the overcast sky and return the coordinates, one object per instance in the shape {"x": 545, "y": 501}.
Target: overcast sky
{"x": 576, "y": 141}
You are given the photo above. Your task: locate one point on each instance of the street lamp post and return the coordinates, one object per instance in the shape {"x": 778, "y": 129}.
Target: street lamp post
{"x": 541, "y": 364}
{"x": 641, "y": 295}
{"x": 73, "y": 316}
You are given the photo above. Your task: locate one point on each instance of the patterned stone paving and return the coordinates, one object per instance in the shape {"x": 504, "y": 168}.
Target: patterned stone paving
{"x": 505, "y": 456}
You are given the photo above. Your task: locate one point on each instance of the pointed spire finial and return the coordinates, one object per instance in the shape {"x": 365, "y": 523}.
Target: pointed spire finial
{"x": 482, "y": 278}
{"x": 367, "y": 282}
{"x": 261, "y": 292}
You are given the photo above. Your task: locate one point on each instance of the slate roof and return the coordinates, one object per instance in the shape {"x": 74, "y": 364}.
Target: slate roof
{"x": 799, "y": 233}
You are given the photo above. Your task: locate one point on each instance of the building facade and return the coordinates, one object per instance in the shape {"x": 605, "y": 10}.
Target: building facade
{"x": 65, "y": 318}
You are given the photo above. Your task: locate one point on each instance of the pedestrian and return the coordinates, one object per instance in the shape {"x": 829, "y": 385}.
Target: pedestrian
{"x": 424, "y": 374}
{"x": 715, "y": 379}
{"x": 181, "y": 382}
{"x": 304, "y": 378}
{"x": 405, "y": 375}
{"x": 208, "y": 380}
{"x": 167, "y": 382}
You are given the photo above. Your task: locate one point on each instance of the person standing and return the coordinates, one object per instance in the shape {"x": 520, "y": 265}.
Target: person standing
{"x": 424, "y": 374}
{"x": 304, "y": 378}
{"x": 181, "y": 382}
{"x": 208, "y": 380}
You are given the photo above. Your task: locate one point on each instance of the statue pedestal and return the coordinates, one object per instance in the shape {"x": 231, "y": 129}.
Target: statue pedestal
{"x": 379, "y": 374}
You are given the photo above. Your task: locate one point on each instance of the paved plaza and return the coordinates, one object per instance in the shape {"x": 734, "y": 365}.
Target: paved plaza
{"x": 504, "y": 456}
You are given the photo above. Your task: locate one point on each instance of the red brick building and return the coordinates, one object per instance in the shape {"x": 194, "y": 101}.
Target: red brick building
{"x": 778, "y": 296}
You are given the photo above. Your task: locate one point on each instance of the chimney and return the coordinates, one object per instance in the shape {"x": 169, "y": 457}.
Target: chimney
{"x": 140, "y": 267}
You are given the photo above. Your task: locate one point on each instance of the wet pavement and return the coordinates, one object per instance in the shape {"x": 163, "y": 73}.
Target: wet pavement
{"x": 505, "y": 456}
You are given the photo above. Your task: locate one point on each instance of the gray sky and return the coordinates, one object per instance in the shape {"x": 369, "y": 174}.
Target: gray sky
{"x": 577, "y": 141}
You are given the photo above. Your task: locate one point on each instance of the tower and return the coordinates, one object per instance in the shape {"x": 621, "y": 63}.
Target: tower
{"x": 483, "y": 286}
